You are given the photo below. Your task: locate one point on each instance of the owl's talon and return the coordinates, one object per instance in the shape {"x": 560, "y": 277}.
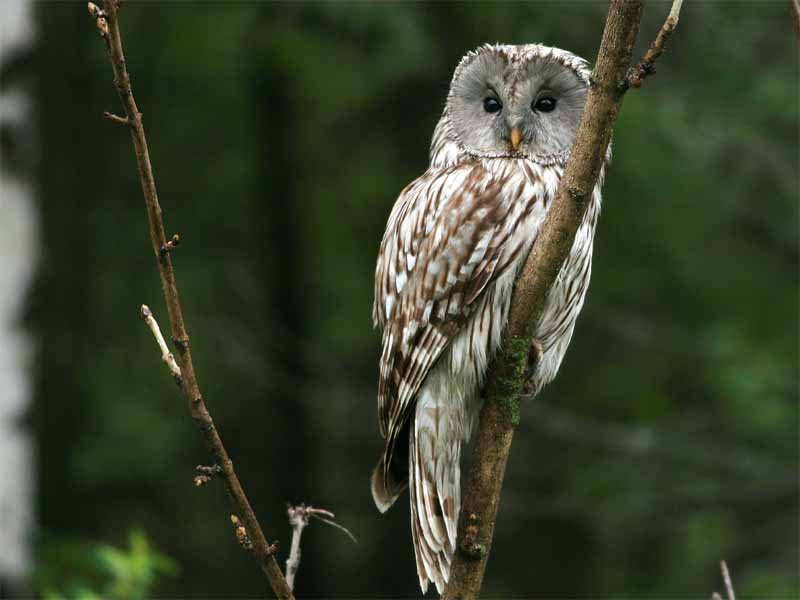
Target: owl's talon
{"x": 535, "y": 354}
{"x": 534, "y": 358}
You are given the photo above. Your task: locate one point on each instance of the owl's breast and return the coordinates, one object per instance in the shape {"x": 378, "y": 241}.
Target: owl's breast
{"x": 554, "y": 330}
{"x": 533, "y": 188}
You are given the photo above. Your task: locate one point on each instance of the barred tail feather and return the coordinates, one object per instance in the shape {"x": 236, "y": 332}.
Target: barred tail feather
{"x": 386, "y": 485}
{"x": 434, "y": 473}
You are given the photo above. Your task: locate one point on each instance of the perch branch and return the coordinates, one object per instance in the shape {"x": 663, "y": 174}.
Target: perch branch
{"x": 108, "y": 26}
{"x": 500, "y": 414}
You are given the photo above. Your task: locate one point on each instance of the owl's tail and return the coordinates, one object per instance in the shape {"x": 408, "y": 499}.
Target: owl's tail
{"x": 388, "y": 484}
{"x": 433, "y": 481}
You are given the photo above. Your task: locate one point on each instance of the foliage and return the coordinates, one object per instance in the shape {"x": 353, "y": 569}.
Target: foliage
{"x": 87, "y": 571}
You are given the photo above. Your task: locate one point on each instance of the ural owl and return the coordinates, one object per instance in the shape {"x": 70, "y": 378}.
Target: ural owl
{"x": 455, "y": 241}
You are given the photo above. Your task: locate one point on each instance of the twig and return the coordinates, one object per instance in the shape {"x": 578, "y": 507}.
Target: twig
{"x": 646, "y": 66}
{"x": 166, "y": 355}
{"x": 117, "y": 119}
{"x": 336, "y": 525}
{"x": 171, "y": 244}
{"x": 726, "y": 577}
{"x": 794, "y": 6}
{"x": 299, "y": 517}
{"x": 108, "y": 25}
{"x": 500, "y": 413}
{"x": 298, "y": 521}
{"x": 205, "y": 474}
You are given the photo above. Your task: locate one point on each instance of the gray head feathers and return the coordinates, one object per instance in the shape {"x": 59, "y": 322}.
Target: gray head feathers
{"x": 514, "y": 101}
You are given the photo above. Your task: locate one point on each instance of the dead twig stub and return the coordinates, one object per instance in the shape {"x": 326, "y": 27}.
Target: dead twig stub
{"x": 117, "y": 119}
{"x": 206, "y": 474}
{"x": 299, "y": 517}
{"x": 166, "y": 355}
{"x": 181, "y": 366}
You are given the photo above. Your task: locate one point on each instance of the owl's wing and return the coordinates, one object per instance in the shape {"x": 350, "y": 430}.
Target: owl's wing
{"x": 444, "y": 243}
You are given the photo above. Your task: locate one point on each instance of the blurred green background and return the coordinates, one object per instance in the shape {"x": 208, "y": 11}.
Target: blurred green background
{"x": 280, "y": 136}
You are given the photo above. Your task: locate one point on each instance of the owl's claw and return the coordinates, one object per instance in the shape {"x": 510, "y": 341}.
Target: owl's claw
{"x": 535, "y": 354}
{"x": 534, "y": 358}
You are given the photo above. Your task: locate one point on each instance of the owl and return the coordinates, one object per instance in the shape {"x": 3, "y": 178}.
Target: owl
{"x": 454, "y": 244}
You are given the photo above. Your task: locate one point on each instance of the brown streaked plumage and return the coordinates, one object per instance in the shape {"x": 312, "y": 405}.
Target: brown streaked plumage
{"x": 454, "y": 243}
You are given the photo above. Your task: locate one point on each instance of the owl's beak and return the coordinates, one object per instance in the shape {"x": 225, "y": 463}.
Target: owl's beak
{"x": 516, "y": 138}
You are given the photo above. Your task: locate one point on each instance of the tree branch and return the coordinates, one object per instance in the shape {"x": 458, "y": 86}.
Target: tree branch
{"x": 500, "y": 414}
{"x": 249, "y": 528}
{"x": 726, "y": 578}
{"x": 299, "y": 517}
{"x": 166, "y": 355}
{"x": 646, "y": 66}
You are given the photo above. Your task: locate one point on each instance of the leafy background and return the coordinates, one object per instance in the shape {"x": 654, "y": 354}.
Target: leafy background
{"x": 281, "y": 135}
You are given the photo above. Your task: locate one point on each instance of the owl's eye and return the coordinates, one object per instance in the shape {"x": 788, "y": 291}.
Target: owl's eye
{"x": 491, "y": 105}
{"x": 545, "y": 104}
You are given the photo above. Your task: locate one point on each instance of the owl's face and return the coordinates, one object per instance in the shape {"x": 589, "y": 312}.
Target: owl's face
{"x": 512, "y": 101}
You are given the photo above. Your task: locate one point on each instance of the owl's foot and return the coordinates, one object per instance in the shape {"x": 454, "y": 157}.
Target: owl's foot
{"x": 534, "y": 358}
{"x": 535, "y": 354}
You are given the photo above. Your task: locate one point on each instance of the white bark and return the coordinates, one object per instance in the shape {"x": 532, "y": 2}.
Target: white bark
{"x": 18, "y": 256}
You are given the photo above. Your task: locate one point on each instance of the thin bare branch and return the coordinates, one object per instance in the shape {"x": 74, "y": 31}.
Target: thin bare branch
{"x": 726, "y": 577}
{"x": 298, "y": 521}
{"x": 646, "y": 66}
{"x": 166, "y": 355}
{"x": 299, "y": 517}
{"x": 117, "y": 119}
{"x": 500, "y": 414}
{"x": 794, "y": 7}
{"x": 248, "y": 528}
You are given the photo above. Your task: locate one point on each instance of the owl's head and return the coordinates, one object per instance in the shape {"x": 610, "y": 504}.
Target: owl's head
{"x": 512, "y": 101}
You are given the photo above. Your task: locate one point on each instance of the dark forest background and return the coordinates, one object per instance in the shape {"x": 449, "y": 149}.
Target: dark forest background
{"x": 280, "y": 136}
